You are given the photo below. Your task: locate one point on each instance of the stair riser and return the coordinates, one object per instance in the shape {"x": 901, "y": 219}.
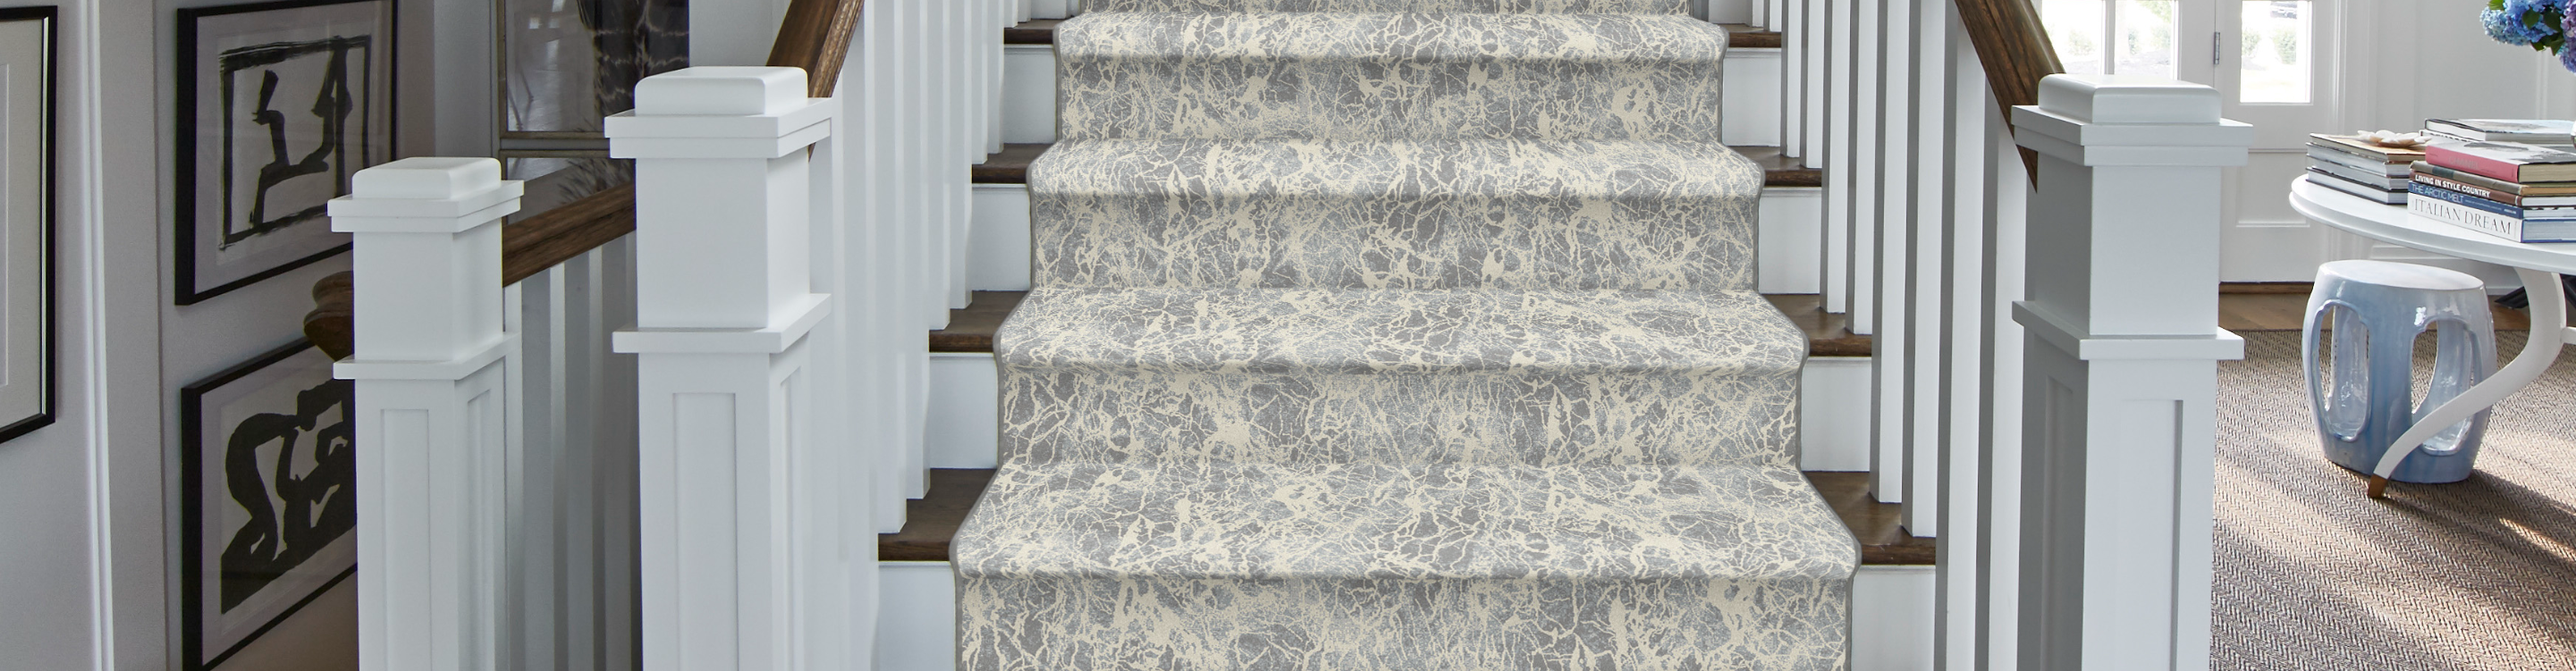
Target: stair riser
{"x": 1476, "y": 6}
{"x": 1891, "y": 618}
{"x": 1351, "y": 100}
{"x": 1417, "y": 216}
{"x": 1496, "y": 418}
{"x": 1333, "y": 76}
{"x": 1788, "y": 237}
{"x": 964, "y": 404}
{"x": 1400, "y": 624}
{"x": 1751, "y": 82}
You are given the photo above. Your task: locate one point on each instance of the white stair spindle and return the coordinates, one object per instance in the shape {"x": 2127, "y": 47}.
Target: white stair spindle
{"x": 2120, "y": 378}
{"x": 724, "y": 305}
{"x": 431, "y": 367}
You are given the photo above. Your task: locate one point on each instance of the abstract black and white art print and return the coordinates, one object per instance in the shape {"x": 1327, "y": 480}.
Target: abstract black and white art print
{"x": 26, "y": 219}
{"x": 269, "y": 515}
{"x": 279, "y": 104}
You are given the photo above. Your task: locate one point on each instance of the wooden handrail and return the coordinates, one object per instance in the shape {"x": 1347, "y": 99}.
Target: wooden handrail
{"x": 814, "y": 35}
{"x": 2013, "y": 44}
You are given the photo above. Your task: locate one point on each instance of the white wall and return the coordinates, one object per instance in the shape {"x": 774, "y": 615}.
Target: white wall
{"x": 81, "y": 593}
{"x": 2404, "y": 61}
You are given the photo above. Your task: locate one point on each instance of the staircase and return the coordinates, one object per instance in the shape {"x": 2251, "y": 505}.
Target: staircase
{"x": 1380, "y": 334}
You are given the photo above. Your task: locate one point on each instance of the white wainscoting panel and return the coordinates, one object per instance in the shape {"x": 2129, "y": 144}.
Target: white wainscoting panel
{"x": 1751, "y": 85}
{"x": 1789, "y": 241}
{"x": 998, "y": 251}
{"x": 1028, "y": 93}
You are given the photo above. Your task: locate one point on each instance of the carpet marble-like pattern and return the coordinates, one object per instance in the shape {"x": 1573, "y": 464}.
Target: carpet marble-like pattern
{"x": 1498, "y": 214}
{"x": 1425, "y": 6}
{"x": 1591, "y": 378}
{"x": 1392, "y": 76}
{"x": 1397, "y": 334}
{"x": 1217, "y": 566}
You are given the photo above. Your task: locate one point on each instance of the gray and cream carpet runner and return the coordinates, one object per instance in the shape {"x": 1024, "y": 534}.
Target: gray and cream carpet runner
{"x": 1397, "y": 334}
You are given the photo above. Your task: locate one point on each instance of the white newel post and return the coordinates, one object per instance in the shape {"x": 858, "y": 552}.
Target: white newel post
{"x": 2120, "y": 370}
{"x": 430, "y": 367}
{"x": 723, "y": 306}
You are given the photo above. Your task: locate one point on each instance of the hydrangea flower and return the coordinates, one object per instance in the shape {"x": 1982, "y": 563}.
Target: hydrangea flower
{"x": 2507, "y": 26}
{"x": 2504, "y": 27}
{"x": 2567, "y": 26}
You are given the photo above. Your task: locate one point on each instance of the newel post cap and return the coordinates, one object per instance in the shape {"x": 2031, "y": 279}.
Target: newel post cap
{"x": 721, "y": 91}
{"x": 426, "y": 178}
{"x": 2128, "y": 99}
{"x": 425, "y": 195}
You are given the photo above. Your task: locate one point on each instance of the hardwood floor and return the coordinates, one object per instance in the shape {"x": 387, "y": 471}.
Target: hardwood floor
{"x": 2284, "y": 306}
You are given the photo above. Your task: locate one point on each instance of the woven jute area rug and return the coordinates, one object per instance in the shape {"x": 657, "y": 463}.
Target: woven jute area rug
{"x": 2311, "y": 574}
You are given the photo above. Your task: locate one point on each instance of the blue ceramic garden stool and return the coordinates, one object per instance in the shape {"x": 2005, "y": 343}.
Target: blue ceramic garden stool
{"x": 2364, "y": 397}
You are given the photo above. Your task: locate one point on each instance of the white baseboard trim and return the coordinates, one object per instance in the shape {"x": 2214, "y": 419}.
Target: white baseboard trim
{"x": 917, "y": 617}
{"x": 962, "y": 432}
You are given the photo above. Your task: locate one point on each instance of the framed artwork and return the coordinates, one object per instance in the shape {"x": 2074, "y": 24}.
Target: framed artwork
{"x": 26, "y": 219}
{"x": 268, "y": 510}
{"x": 279, "y": 104}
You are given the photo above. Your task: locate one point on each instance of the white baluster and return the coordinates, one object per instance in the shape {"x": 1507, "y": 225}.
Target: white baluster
{"x": 726, "y": 395}
{"x": 2119, "y": 377}
{"x": 431, "y": 370}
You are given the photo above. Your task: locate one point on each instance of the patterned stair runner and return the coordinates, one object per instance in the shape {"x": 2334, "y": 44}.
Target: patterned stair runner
{"x": 1397, "y": 334}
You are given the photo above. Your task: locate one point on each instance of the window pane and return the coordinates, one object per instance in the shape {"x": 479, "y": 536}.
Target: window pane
{"x": 2075, "y": 28}
{"x": 2146, "y": 47}
{"x": 570, "y": 62}
{"x": 2274, "y": 49}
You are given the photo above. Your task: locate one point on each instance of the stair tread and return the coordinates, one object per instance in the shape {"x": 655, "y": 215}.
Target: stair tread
{"x": 1378, "y": 36}
{"x": 970, "y": 329}
{"x": 1628, "y": 170}
{"x": 1661, "y": 7}
{"x": 1011, "y": 165}
{"x": 1187, "y": 521}
{"x": 1382, "y": 331}
{"x": 1042, "y": 31}
{"x": 931, "y": 522}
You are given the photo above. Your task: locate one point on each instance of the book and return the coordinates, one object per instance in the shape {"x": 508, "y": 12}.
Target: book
{"x": 2365, "y": 191}
{"x": 2532, "y": 189}
{"x": 2491, "y": 223}
{"x": 2353, "y": 144}
{"x": 2507, "y": 198}
{"x": 2370, "y": 177}
{"x": 2484, "y": 205}
{"x": 2531, "y": 131}
{"x": 2504, "y": 160}
{"x": 2358, "y": 163}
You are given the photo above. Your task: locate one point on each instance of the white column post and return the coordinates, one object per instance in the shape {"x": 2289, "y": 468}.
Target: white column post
{"x": 2119, "y": 375}
{"x": 431, "y": 365}
{"x": 724, "y": 302}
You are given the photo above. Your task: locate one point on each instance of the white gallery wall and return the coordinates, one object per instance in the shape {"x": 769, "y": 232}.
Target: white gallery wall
{"x": 80, "y": 566}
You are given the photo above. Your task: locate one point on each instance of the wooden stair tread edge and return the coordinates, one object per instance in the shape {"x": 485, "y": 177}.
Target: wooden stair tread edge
{"x": 931, "y": 522}
{"x": 970, "y": 329}
{"x": 1011, "y": 166}
{"x": 1042, "y": 31}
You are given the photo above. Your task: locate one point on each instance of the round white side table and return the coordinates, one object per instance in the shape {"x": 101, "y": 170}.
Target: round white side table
{"x": 2538, "y": 264}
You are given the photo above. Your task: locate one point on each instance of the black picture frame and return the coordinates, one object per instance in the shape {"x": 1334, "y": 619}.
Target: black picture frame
{"x": 18, "y": 417}
{"x": 303, "y": 235}
{"x": 287, "y": 398}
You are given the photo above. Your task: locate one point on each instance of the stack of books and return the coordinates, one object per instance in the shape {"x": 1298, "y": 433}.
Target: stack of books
{"x": 2353, "y": 165}
{"x": 2519, "y": 192}
{"x": 2552, "y": 133}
